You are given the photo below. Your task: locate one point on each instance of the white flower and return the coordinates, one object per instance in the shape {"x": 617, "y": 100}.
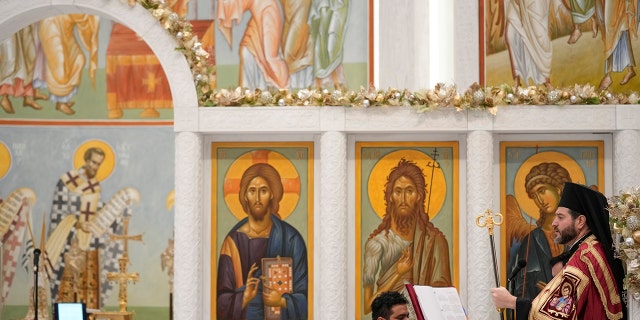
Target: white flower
{"x": 304, "y": 94}
{"x": 202, "y": 53}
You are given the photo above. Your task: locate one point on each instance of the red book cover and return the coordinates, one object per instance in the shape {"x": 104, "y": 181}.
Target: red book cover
{"x": 415, "y": 305}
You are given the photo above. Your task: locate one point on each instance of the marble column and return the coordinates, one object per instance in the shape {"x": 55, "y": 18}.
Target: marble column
{"x": 331, "y": 228}
{"x": 479, "y": 198}
{"x": 626, "y": 152}
{"x": 188, "y": 278}
{"x": 626, "y": 174}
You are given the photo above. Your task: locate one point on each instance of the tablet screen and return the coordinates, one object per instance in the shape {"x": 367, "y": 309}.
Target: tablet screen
{"x": 70, "y": 311}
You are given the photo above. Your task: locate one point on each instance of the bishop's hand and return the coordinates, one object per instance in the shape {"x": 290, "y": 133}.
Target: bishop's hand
{"x": 502, "y": 298}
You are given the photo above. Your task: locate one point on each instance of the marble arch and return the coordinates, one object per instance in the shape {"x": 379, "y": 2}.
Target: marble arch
{"x": 17, "y": 14}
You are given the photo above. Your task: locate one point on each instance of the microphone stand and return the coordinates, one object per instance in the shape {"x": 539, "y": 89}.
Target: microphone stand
{"x": 36, "y": 255}
{"x": 511, "y": 286}
{"x": 511, "y": 289}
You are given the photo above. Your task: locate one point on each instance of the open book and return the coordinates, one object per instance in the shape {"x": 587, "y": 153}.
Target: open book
{"x": 434, "y": 303}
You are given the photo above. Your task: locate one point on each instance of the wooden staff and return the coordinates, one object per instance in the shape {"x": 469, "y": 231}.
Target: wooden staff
{"x": 487, "y": 220}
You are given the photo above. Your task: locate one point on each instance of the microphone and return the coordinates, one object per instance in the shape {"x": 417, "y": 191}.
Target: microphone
{"x": 519, "y": 266}
{"x": 36, "y": 256}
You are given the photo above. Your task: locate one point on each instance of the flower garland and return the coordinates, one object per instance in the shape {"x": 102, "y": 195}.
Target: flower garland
{"x": 475, "y": 97}
{"x": 624, "y": 218}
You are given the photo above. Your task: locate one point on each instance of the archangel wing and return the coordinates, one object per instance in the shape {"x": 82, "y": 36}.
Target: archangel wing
{"x": 517, "y": 227}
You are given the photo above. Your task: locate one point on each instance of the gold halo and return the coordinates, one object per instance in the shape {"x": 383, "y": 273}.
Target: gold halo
{"x": 381, "y": 170}
{"x": 5, "y": 160}
{"x": 288, "y": 174}
{"x": 108, "y": 164}
{"x": 171, "y": 199}
{"x": 526, "y": 203}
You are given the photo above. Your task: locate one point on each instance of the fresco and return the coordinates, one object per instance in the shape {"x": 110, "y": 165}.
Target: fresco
{"x": 292, "y": 44}
{"x": 559, "y": 43}
{"x": 130, "y": 184}
{"x": 406, "y": 217}
{"x": 80, "y": 66}
{"x": 83, "y": 99}
{"x": 262, "y": 229}
{"x": 87, "y": 67}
